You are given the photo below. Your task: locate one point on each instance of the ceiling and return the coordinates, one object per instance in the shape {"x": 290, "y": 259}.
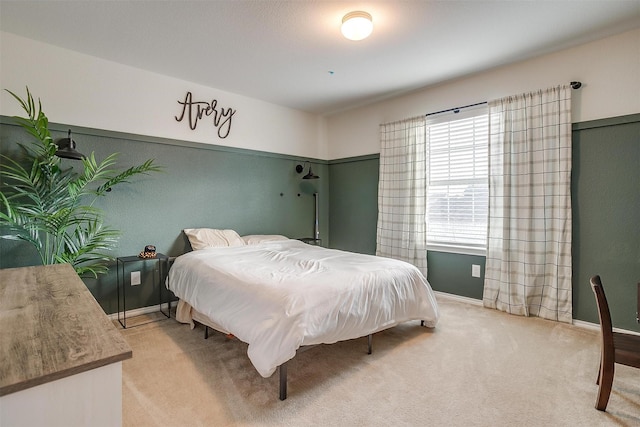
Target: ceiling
{"x": 292, "y": 53}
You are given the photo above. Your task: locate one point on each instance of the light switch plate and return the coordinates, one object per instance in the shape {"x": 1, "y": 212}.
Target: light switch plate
{"x": 135, "y": 278}
{"x": 475, "y": 270}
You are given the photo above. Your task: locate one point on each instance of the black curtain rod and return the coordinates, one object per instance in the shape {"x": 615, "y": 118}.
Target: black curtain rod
{"x": 456, "y": 109}
{"x": 574, "y": 85}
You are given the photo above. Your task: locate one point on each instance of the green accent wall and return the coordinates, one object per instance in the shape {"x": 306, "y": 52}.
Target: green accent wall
{"x": 451, "y": 273}
{"x": 353, "y": 198}
{"x": 606, "y": 219}
{"x": 202, "y": 185}
{"x": 258, "y": 192}
{"x": 605, "y": 194}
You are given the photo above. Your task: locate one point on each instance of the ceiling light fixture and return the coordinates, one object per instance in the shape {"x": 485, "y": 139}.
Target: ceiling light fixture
{"x": 357, "y": 25}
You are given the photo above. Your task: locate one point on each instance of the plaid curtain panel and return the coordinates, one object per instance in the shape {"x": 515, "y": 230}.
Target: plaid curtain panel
{"x": 402, "y": 192}
{"x": 528, "y": 267}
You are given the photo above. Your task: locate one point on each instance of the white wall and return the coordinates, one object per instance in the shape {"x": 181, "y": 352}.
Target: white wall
{"x": 609, "y": 70}
{"x": 82, "y": 90}
{"x": 78, "y": 89}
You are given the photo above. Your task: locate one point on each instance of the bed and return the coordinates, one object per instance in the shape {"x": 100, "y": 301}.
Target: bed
{"x": 278, "y": 294}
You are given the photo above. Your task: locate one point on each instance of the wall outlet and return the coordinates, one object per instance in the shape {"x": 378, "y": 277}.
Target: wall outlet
{"x": 475, "y": 270}
{"x": 135, "y": 278}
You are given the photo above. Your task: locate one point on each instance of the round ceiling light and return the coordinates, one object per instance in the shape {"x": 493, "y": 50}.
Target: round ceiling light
{"x": 357, "y": 25}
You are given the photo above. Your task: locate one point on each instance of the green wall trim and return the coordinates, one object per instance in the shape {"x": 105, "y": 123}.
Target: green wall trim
{"x": 610, "y": 121}
{"x": 80, "y": 130}
{"x": 8, "y": 120}
{"x": 355, "y": 159}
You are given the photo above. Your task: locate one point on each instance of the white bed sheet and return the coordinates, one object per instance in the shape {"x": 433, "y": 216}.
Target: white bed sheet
{"x": 277, "y": 296}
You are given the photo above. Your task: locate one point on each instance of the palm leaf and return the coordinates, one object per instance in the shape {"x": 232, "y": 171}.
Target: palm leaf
{"x": 51, "y": 208}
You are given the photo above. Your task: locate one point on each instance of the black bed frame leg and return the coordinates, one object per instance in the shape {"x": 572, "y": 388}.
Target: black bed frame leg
{"x": 283, "y": 380}
{"x": 422, "y": 323}
{"x": 206, "y": 332}
{"x": 370, "y": 343}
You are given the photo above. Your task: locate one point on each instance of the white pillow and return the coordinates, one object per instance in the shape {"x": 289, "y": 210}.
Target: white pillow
{"x": 254, "y": 239}
{"x": 201, "y": 238}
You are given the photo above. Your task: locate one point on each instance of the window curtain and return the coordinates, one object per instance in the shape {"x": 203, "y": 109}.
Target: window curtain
{"x": 528, "y": 266}
{"x": 402, "y": 192}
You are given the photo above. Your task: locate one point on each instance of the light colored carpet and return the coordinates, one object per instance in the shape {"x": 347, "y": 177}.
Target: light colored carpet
{"x": 478, "y": 367}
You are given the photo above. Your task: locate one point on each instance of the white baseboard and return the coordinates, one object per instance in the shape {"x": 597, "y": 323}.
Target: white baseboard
{"x": 588, "y": 325}
{"x": 142, "y": 310}
{"x": 458, "y": 298}
{"x": 579, "y": 323}
{"x": 596, "y": 327}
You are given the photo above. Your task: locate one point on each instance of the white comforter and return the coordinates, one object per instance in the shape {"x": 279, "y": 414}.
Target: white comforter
{"x": 278, "y": 296}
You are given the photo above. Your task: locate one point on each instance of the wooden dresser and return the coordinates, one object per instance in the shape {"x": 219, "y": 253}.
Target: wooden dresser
{"x": 60, "y": 355}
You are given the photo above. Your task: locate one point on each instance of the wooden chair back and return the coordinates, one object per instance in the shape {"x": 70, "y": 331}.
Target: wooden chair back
{"x": 638, "y": 309}
{"x": 603, "y": 313}
{"x": 617, "y": 347}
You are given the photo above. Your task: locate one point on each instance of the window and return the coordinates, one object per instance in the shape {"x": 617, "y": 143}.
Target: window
{"x": 457, "y": 195}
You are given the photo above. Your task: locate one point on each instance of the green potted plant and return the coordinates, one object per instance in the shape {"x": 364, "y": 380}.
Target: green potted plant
{"x": 52, "y": 208}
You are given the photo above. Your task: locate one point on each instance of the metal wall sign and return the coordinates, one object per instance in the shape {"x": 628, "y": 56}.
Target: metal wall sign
{"x": 193, "y": 111}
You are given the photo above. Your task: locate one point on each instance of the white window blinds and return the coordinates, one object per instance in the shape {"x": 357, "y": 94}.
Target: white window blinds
{"x": 457, "y": 194}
